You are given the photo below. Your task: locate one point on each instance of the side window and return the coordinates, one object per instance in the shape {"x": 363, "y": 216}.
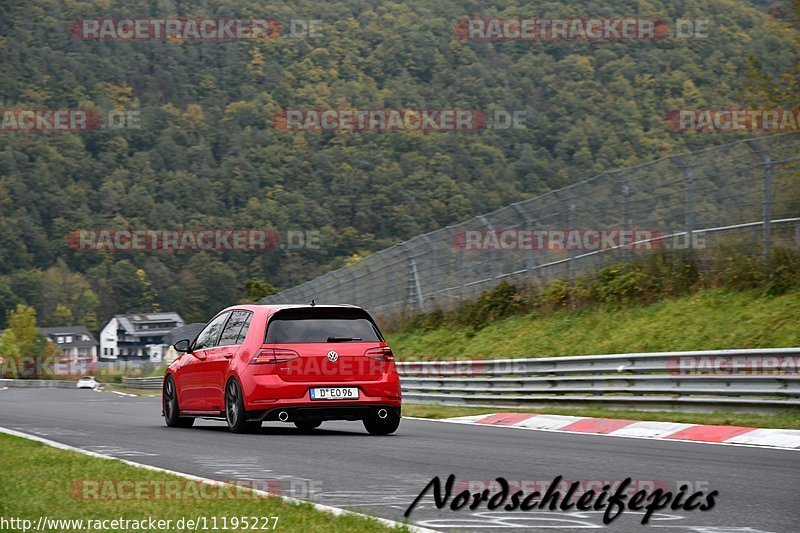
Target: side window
{"x": 208, "y": 337}
{"x": 232, "y": 332}
{"x": 245, "y": 327}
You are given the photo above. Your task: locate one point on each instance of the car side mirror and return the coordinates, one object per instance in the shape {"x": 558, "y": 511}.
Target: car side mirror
{"x": 182, "y": 345}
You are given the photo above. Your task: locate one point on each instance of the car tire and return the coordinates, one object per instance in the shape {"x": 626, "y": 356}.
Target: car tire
{"x": 235, "y": 414}
{"x": 169, "y": 404}
{"x": 382, "y": 426}
{"x": 308, "y": 424}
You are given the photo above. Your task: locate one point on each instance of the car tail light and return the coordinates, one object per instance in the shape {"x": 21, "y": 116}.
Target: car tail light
{"x": 273, "y": 355}
{"x": 382, "y": 353}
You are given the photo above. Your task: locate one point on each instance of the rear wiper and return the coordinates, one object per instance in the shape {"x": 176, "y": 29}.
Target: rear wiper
{"x": 343, "y": 339}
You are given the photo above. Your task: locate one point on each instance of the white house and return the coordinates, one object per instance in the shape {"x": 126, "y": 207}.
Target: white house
{"x": 138, "y": 337}
{"x": 76, "y": 343}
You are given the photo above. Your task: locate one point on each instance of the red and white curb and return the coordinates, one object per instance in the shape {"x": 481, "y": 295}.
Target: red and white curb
{"x": 776, "y": 438}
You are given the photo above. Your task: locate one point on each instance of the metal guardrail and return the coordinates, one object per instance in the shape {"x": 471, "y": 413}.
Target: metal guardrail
{"x": 732, "y": 379}
{"x": 759, "y": 378}
{"x": 38, "y": 383}
{"x": 143, "y": 383}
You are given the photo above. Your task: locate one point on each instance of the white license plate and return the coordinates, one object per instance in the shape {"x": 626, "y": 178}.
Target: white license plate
{"x": 334, "y": 393}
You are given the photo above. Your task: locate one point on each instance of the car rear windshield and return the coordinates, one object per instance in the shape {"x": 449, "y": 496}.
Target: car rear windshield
{"x": 321, "y": 325}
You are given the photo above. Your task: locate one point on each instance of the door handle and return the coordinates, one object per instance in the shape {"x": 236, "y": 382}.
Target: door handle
{"x": 228, "y": 355}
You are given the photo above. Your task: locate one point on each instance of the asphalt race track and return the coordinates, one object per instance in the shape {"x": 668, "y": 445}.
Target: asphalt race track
{"x": 340, "y": 465}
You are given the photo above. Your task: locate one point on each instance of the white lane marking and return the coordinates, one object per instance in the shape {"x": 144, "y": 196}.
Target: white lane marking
{"x": 470, "y": 418}
{"x": 120, "y": 452}
{"x": 716, "y": 529}
{"x": 319, "y": 507}
{"x": 662, "y": 439}
{"x": 253, "y": 474}
{"x": 4, "y": 388}
{"x": 396, "y": 497}
{"x": 49, "y": 432}
{"x": 571, "y": 520}
{"x": 123, "y": 393}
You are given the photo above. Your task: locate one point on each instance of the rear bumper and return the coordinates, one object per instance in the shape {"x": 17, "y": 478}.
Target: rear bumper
{"x": 265, "y": 393}
{"x": 349, "y": 411}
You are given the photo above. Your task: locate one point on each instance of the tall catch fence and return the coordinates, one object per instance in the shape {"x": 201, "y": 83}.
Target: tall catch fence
{"x": 743, "y": 195}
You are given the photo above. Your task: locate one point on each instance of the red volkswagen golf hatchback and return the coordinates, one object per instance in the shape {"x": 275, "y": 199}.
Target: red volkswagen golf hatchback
{"x": 295, "y": 363}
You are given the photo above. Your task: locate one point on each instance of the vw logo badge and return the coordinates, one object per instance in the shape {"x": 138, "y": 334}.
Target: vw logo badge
{"x": 333, "y": 356}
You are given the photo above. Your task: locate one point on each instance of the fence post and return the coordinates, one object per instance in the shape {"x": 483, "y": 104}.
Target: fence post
{"x": 433, "y": 275}
{"x": 493, "y": 270}
{"x": 528, "y": 256}
{"x": 462, "y": 269}
{"x": 626, "y": 222}
{"x": 570, "y": 227}
{"x": 368, "y": 302}
{"x": 356, "y": 295}
{"x": 374, "y": 285}
{"x": 767, "y": 198}
{"x": 335, "y": 290}
{"x": 688, "y": 199}
{"x": 414, "y": 287}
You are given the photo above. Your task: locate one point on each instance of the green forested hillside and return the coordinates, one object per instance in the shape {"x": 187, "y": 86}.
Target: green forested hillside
{"x": 209, "y": 156}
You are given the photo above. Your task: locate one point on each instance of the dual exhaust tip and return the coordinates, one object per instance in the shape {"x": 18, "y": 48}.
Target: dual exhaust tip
{"x": 283, "y": 416}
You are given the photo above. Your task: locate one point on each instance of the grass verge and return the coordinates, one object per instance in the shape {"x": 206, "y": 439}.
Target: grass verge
{"x": 708, "y": 320}
{"x": 38, "y": 480}
{"x": 788, "y": 420}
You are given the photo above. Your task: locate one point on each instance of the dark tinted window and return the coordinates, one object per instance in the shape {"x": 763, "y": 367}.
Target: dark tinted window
{"x": 208, "y": 337}
{"x": 233, "y": 329}
{"x": 245, "y": 327}
{"x": 318, "y": 325}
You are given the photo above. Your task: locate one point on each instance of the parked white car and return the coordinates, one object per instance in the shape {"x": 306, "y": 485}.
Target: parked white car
{"x": 87, "y": 382}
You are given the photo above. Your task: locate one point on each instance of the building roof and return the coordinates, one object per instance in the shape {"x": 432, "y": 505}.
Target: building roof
{"x": 130, "y": 321}
{"x": 74, "y": 331}
{"x": 143, "y": 318}
{"x": 189, "y": 331}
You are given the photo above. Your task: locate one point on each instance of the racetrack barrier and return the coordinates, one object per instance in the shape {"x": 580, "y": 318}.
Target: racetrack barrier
{"x": 761, "y": 379}
{"x": 143, "y": 383}
{"x": 757, "y": 379}
{"x": 38, "y": 383}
